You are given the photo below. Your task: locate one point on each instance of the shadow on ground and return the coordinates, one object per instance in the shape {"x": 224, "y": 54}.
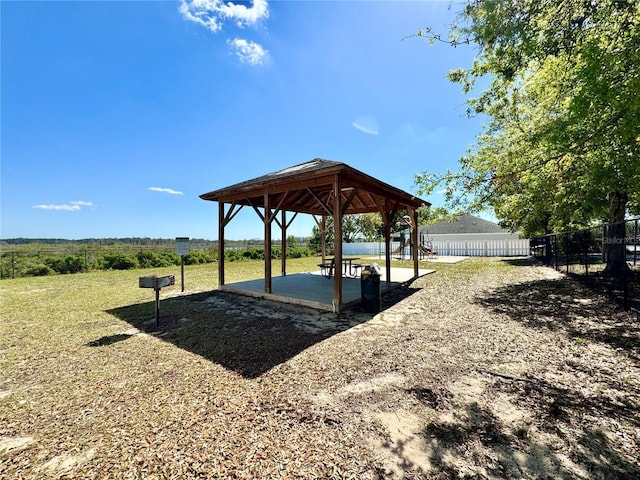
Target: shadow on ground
{"x": 246, "y": 335}
{"x": 565, "y": 433}
{"x": 500, "y": 451}
{"x": 553, "y": 437}
{"x": 563, "y": 304}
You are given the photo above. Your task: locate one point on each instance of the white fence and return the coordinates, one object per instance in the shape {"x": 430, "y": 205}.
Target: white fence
{"x": 466, "y": 248}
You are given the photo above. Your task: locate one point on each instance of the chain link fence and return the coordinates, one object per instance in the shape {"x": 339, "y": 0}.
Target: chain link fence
{"x": 583, "y": 254}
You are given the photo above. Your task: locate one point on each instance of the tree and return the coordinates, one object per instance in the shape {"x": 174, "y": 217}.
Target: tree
{"x": 350, "y": 228}
{"x": 431, "y": 215}
{"x": 292, "y": 241}
{"x": 364, "y": 226}
{"x": 315, "y": 242}
{"x": 561, "y": 148}
{"x": 370, "y": 226}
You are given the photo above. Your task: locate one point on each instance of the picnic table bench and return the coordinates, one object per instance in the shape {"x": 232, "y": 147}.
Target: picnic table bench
{"x": 349, "y": 269}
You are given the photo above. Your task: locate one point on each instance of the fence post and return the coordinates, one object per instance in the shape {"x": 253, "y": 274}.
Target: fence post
{"x": 636, "y": 243}
{"x": 586, "y": 255}
{"x": 566, "y": 251}
{"x": 13, "y": 265}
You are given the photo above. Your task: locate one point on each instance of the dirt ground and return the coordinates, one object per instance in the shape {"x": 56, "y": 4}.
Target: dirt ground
{"x": 488, "y": 369}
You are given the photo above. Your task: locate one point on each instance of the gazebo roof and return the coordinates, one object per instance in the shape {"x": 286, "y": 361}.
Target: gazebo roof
{"x": 309, "y": 188}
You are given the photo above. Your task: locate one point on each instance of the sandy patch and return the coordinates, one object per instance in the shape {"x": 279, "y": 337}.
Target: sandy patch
{"x": 403, "y": 446}
{"x": 63, "y": 464}
{"x": 372, "y": 385}
{"x": 8, "y": 444}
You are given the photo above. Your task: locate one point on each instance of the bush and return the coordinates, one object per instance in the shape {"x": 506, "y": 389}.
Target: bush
{"x": 68, "y": 264}
{"x": 234, "y": 255}
{"x": 298, "y": 252}
{"x": 119, "y": 261}
{"x": 39, "y": 271}
{"x": 152, "y": 259}
{"x": 200, "y": 256}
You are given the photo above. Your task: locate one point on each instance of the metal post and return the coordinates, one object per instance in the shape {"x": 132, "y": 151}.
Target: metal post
{"x": 182, "y": 271}
{"x": 566, "y": 251}
{"x": 636, "y": 243}
{"x": 157, "y": 307}
{"x": 586, "y": 254}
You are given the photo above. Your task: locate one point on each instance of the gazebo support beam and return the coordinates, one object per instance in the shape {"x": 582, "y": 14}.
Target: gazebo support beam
{"x": 221, "y": 219}
{"x": 413, "y": 214}
{"x": 387, "y": 212}
{"x": 337, "y": 245}
{"x": 267, "y": 242}
{"x": 283, "y": 244}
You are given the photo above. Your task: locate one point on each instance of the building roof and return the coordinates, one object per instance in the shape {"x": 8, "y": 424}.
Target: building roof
{"x": 309, "y": 188}
{"x": 464, "y": 224}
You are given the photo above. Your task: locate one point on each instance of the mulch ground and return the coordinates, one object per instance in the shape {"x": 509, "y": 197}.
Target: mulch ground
{"x": 484, "y": 369}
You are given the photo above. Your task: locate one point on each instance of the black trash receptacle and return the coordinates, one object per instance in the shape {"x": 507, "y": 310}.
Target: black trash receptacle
{"x": 371, "y": 300}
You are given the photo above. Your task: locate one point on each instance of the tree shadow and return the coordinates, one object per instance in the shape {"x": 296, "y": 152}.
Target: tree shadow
{"x": 246, "y": 335}
{"x": 562, "y": 304}
{"x": 487, "y": 442}
{"x": 495, "y": 448}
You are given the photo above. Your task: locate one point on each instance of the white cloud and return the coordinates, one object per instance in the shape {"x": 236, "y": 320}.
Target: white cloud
{"x": 441, "y": 192}
{"x": 248, "y": 52}
{"x": 243, "y": 15}
{"x": 165, "y": 190}
{"x": 366, "y": 124}
{"x": 212, "y": 13}
{"x": 69, "y": 207}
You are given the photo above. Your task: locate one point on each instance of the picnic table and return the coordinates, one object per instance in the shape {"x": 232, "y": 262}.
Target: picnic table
{"x": 349, "y": 268}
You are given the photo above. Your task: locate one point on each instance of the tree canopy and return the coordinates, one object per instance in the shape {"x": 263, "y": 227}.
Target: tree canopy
{"x": 561, "y": 146}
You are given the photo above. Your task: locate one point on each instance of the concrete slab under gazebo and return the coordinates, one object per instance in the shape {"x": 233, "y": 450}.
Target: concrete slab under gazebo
{"x": 323, "y": 189}
{"x": 311, "y": 289}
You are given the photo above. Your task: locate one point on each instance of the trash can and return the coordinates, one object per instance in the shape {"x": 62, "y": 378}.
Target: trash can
{"x": 370, "y": 297}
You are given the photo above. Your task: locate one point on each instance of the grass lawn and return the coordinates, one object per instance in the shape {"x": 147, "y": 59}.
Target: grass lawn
{"x": 485, "y": 369}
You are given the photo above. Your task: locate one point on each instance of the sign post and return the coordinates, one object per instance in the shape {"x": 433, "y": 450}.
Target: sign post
{"x": 182, "y": 249}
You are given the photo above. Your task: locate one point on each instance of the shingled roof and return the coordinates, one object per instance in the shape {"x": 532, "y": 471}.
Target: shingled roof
{"x": 465, "y": 224}
{"x": 308, "y": 188}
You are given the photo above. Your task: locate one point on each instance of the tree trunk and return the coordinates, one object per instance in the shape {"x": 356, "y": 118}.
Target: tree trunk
{"x": 615, "y": 238}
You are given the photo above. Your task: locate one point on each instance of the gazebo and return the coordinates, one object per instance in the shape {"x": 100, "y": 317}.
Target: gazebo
{"x": 321, "y": 188}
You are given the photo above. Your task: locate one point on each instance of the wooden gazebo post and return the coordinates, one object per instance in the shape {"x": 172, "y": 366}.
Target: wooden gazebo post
{"x": 221, "y": 221}
{"x": 283, "y": 244}
{"x": 413, "y": 214}
{"x": 267, "y": 242}
{"x": 337, "y": 244}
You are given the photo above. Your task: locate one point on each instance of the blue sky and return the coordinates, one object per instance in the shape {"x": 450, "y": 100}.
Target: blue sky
{"x": 117, "y": 115}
